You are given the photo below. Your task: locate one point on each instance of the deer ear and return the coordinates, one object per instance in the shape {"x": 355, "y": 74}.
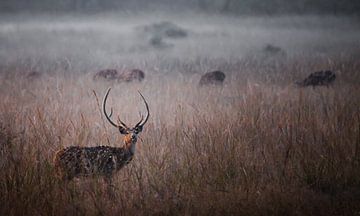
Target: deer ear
{"x": 123, "y": 130}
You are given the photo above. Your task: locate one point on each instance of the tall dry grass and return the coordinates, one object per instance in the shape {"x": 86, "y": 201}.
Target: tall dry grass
{"x": 257, "y": 146}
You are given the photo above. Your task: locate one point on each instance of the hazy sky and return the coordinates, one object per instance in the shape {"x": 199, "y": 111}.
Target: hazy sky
{"x": 220, "y": 6}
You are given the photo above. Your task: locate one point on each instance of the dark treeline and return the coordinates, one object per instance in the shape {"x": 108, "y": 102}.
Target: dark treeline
{"x": 238, "y": 7}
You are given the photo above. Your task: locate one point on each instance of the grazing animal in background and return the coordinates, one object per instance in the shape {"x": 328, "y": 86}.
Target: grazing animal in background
{"x": 212, "y": 78}
{"x": 77, "y": 161}
{"x": 158, "y": 42}
{"x": 107, "y": 74}
{"x": 165, "y": 29}
{"x": 132, "y": 75}
{"x": 125, "y": 76}
{"x": 319, "y": 78}
{"x": 273, "y": 50}
{"x": 33, "y": 75}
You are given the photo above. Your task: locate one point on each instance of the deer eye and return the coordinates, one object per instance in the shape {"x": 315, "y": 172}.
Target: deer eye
{"x": 138, "y": 129}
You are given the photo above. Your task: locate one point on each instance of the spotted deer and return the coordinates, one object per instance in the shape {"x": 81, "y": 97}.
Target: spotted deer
{"x": 107, "y": 74}
{"x": 77, "y": 161}
{"x": 131, "y": 76}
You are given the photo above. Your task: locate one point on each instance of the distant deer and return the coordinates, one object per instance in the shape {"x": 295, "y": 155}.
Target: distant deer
{"x": 319, "y": 78}
{"x": 124, "y": 76}
{"x": 272, "y": 50}
{"x": 76, "y": 161}
{"x": 212, "y": 78}
{"x": 33, "y": 75}
{"x": 107, "y": 74}
{"x": 132, "y": 75}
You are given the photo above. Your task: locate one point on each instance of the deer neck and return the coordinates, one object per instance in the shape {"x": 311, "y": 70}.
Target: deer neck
{"x": 130, "y": 144}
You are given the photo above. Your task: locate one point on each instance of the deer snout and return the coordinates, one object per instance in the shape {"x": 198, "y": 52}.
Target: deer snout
{"x": 133, "y": 136}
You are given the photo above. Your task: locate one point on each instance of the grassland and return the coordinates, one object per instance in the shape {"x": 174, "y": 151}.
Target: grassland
{"x": 256, "y": 146}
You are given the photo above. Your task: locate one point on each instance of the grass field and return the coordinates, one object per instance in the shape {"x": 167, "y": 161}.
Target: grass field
{"x": 256, "y": 146}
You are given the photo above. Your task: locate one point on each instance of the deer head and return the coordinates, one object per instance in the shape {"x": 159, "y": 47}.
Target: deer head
{"x": 130, "y": 133}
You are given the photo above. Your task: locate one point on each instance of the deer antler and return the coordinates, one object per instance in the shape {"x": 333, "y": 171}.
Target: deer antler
{"x": 108, "y": 117}
{"x": 147, "y": 115}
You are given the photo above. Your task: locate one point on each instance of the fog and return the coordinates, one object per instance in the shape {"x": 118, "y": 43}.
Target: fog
{"x": 89, "y": 42}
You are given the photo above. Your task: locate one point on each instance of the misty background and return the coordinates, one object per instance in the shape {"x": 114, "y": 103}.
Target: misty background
{"x": 157, "y": 36}
{"x": 238, "y": 7}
